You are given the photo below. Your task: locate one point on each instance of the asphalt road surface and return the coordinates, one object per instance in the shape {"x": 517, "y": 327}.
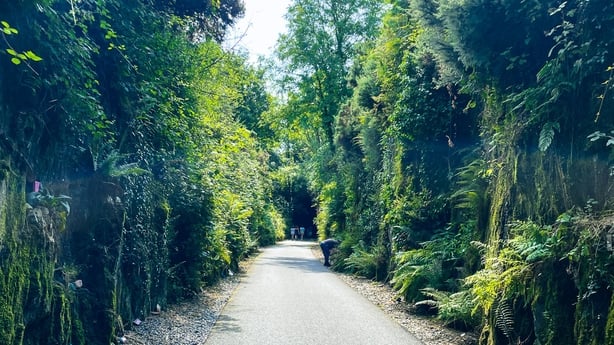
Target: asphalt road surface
{"x": 289, "y": 298}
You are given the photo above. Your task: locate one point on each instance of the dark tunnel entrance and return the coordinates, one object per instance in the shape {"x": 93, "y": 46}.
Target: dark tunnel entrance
{"x": 301, "y": 211}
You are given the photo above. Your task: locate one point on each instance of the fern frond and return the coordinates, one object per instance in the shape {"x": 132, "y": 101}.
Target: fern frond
{"x": 361, "y": 262}
{"x": 546, "y": 135}
{"x": 452, "y": 308}
{"x": 128, "y": 169}
{"x": 109, "y": 167}
{"x": 504, "y": 318}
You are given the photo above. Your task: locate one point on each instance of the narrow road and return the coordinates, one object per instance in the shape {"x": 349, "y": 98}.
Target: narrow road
{"x": 289, "y": 298}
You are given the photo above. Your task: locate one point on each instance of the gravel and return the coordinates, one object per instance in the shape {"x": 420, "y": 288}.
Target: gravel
{"x": 190, "y": 322}
{"x": 429, "y": 330}
{"x": 187, "y": 323}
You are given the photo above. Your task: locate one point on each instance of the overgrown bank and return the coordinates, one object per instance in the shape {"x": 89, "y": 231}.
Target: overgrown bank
{"x": 131, "y": 175}
{"x": 463, "y": 151}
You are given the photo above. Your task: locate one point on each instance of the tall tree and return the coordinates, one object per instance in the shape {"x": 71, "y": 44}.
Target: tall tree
{"x": 204, "y": 18}
{"x": 322, "y": 39}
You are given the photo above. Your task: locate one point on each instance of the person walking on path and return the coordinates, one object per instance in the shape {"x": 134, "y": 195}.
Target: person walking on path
{"x": 327, "y": 245}
{"x": 301, "y": 231}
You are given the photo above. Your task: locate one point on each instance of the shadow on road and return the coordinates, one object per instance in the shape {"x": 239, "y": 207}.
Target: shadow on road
{"x": 226, "y": 323}
{"x": 305, "y": 265}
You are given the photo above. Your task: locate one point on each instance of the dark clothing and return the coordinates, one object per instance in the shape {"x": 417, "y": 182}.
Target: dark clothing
{"x": 326, "y": 246}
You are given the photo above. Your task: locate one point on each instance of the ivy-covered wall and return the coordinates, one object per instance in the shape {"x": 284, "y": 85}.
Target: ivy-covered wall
{"x": 152, "y": 186}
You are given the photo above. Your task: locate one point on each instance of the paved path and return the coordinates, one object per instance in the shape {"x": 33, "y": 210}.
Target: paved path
{"x": 289, "y": 298}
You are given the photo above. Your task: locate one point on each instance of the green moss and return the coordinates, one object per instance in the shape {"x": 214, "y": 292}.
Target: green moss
{"x": 15, "y": 280}
{"x": 559, "y": 295}
{"x": 499, "y": 206}
{"x": 609, "y": 328}
{"x": 3, "y": 213}
{"x": 29, "y": 296}
{"x": 569, "y": 301}
{"x": 7, "y": 323}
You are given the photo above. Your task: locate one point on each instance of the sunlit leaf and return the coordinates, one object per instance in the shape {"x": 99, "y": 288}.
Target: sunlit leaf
{"x": 32, "y": 56}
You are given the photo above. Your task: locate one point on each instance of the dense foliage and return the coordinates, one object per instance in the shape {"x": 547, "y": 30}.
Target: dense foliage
{"x": 470, "y": 159}
{"x": 461, "y": 150}
{"x": 143, "y": 133}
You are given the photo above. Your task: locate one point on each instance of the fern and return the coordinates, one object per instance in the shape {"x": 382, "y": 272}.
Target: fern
{"x": 532, "y": 242}
{"x": 363, "y": 262}
{"x": 504, "y": 318}
{"x": 507, "y": 275}
{"x": 454, "y": 309}
{"x": 411, "y": 273}
{"x": 503, "y": 276}
{"x": 110, "y": 167}
{"x": 546, "y": 136}
{"x": 45, "y": 198}
{"x": 472, "y": 183}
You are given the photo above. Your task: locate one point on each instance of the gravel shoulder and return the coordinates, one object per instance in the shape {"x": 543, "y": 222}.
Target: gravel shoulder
{"x": 429, "y": 330}
{"x": 190, "y": 322}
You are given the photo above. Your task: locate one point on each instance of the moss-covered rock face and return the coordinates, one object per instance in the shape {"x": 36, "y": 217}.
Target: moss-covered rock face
{"x": 28, "y": 250}
{"x": 15, "y": 278}
{"x": 36, "y": 296}
{"x": 115, "y": 242}
{"x": 80, "y": 278}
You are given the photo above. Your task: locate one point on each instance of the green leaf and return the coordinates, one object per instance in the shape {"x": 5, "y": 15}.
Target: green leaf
{"x": 32, "y": 56}
{"x": 11, "y": 51}
{"x": 547, "y": 135}
{"x": 7, "y": 29}
{"x": 110, "y": 34}
{"x": 16, "y": 61}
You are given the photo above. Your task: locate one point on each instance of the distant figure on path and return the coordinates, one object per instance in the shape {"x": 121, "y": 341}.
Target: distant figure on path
{"x": 301, "y": 231}
{"x": 327, "y": 246}
{"x": 292, "y": 232}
